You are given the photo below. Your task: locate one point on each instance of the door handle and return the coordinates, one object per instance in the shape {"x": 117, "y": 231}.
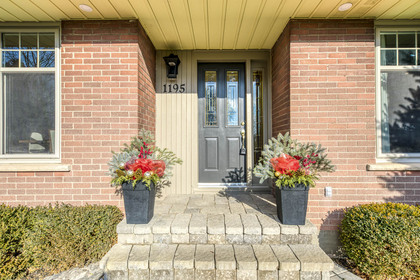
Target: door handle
{"x": 242, "y": 151}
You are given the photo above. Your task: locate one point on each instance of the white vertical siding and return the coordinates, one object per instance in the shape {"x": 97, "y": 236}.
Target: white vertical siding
{"x": 176, "y": 126}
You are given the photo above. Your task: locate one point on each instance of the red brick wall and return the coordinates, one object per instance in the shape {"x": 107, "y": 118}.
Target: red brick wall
{"x": 332, "y": 102}
{"x": 107, "y": 95}
{"x": 280, "y": 101}
{"x": 146, "y": 81}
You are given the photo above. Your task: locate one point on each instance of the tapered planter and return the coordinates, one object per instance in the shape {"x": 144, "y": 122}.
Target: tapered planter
{"x": 139, "y": 202}
{"x": 292, "y": 204}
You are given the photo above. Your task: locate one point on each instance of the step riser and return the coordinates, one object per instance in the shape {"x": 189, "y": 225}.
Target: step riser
{"x": 133, "y": 239}
{"x": 191, "y": 274}
{"x": 160, "y": 261}
{"x": 216, "y": 229}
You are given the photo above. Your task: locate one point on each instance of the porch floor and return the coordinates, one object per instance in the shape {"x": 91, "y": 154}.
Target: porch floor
{"x": 234, "y": 218}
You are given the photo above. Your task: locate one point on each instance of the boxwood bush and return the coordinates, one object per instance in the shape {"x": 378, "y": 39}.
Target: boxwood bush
{"x": 383, "y": 240}
{"x": 51, "y": 239}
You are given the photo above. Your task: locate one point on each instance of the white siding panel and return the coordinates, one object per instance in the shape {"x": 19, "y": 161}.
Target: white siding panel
{"x": 176, "y": 122}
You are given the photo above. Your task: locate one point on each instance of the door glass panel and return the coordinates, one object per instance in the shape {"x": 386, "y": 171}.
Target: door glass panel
{"x": 232, "y": 98}
{"x": 211, "y": 98}
{"x": 258, "y": 113}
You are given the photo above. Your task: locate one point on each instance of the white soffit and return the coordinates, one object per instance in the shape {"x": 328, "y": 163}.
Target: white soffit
{"x": 208, "y": 24}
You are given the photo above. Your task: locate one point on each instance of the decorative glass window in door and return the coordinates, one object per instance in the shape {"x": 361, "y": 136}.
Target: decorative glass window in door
{"x": 211, "y": 98}
{"x": 232, "y": 100}
{"x": 258, "y": 114}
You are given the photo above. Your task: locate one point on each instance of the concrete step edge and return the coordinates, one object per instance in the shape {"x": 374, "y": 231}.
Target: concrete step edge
{"x": 305, "y": 259}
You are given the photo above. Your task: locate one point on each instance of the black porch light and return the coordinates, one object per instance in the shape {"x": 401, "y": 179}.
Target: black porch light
{"x": 172, "y": 61}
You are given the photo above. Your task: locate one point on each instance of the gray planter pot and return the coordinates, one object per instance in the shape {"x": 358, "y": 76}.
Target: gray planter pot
{"x": 139, "y": 202}
{"x": 292, "y": 204}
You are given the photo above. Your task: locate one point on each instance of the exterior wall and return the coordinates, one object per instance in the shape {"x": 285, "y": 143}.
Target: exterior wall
{"x": 107, "y": 79}
{"x": 332, "y": 102}
{"x": 280, "y": 101}
{"x": 176, "y": 122}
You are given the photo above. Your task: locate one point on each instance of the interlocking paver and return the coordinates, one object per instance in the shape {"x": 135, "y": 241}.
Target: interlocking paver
{"x": 287, "y": 260}
{"x": 312, "y": 258}
{"x": 265, "y": 257}
{"x": 268, "y": 224}
{"x": 163, "y": 224}
{"x": 216, "y": 224}
{"x": 204, "y": 257}
{"x": 251, "y": 224}
{"x": 161, "y": 256}
{"x": 180, "y": 224}
{"x": 225, "y": 257}
{"x": 198, "y": 224}
{"x": 184, "y": 256}
{"x": 119, "y": 257}
{"x": 245, "y": 257}
{"x": 139, "y": 257}
{"x": 233, "y": 224}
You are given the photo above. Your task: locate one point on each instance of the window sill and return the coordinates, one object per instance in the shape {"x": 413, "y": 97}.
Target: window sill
{"x": 36, "y": 167}
{"x": 393, "y": 166}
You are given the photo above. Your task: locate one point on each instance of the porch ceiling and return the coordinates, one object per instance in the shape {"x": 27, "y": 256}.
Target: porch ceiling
{"x": 208, "y": 24}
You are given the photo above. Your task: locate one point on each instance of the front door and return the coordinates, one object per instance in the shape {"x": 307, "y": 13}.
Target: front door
{"x": 221, "y": 116}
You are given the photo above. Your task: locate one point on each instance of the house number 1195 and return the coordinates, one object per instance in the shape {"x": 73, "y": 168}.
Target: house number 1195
{"x": 173, "y": 88}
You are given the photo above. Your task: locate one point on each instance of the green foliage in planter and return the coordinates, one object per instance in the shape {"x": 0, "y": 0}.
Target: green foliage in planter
{"x": 53, "y": 239}
{"x": 383, "y": 240}
{"x": 312, "y": 160}
{"x": 141, "y": 147}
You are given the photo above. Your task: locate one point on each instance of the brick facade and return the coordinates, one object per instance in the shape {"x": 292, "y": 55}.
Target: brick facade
{"x": 332, "y": 102}
{"x": 107, "y": 95}
{"x": 280, "y": 101}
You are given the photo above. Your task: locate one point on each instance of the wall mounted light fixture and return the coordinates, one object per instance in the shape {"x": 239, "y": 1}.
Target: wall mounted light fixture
{"x": 172, "y": 61}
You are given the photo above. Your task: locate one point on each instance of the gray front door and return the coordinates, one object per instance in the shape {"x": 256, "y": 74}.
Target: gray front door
{"x": 221, "y": 116}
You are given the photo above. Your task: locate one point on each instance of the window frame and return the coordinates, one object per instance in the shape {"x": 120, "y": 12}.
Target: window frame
{"x": 380, "y": 156}
{"x": 34, "y": 158}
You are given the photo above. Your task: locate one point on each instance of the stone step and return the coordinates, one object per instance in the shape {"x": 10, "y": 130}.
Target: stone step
{"x": 199, "y": 228}
{"x": 206, "y": 261}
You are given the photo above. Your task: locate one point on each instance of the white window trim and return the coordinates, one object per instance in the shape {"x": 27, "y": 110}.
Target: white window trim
{"x": 380, "y": 156}
{"x": 35, "y": 158}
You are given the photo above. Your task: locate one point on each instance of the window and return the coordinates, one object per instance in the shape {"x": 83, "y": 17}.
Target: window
{"x": 29, "y": 94}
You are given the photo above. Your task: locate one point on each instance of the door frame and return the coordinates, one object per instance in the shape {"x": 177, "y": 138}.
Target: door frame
{"x": 253, "y": 61}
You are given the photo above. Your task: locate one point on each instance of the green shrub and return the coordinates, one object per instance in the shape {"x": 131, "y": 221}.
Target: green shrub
{"x": 383, "y": 240}
{"x": 53, "y": 239}
{"x": 14, "y": 221}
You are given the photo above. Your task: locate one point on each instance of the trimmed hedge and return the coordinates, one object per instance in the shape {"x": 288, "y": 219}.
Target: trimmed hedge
{"x": 383, "y": 240}
{"x": 14, "y": 222}
{"x": 53, "y": 239}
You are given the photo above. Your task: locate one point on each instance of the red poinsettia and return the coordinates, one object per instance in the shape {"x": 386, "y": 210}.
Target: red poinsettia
{"x": 284, "y": 164}
{"x": 158, "y": 167}
{"x": 145, "y": 165}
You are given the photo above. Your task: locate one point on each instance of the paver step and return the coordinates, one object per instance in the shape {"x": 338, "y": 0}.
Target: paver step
{"x": 200, "y": 228}
{"x": 205, "y": 261}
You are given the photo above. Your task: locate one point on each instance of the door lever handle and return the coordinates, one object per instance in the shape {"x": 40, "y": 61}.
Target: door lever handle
{"x": 242, "y": 151}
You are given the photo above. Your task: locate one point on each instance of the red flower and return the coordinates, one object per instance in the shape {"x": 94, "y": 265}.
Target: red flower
{"x": 158, "y": 166}
{"x": 285, "y": 164}
{"x": 142, "y": 163}
{"x": 145, "y": 164}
